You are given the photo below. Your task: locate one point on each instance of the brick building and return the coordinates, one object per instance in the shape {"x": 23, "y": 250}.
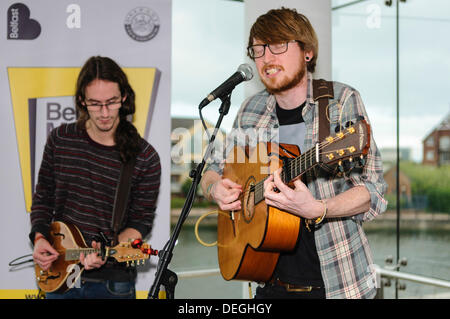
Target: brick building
{"x": 436, "y": 146}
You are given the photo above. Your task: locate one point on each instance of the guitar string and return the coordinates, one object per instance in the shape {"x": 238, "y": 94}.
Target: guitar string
{"x": 258, "y": 187}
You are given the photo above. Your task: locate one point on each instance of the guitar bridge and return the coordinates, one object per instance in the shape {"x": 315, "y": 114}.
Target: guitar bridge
{"x": 232, "y": 222}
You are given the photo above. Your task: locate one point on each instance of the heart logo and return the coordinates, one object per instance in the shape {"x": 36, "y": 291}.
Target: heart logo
{"x": 20, "y": 26}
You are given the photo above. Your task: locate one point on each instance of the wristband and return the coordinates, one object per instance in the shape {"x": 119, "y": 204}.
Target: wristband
{"x": 325, "y": 211}
{"x": 318, "y": 220}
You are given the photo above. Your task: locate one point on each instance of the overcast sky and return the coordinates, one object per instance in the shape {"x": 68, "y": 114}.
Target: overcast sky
{"x": 208, "y": 45}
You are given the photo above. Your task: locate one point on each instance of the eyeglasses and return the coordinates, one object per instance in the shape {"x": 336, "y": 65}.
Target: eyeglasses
{"x": 112, "y": 105}
{"x": 258, "y": 50}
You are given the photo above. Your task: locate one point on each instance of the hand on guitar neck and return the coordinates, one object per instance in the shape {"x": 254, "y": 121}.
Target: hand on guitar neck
{"x": 298, "y": 201}
{"x": 93, "y": 260}
{"x": 44, "y": 255}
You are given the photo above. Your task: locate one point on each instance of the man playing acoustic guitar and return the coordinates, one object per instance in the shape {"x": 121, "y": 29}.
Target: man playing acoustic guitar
{"x": 331, "y": 257}
{"x": 79, "y": 175}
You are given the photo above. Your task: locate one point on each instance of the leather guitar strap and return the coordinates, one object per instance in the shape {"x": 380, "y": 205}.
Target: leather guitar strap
{"x": 323, "y": 92}
{"x": 121, "y": 197}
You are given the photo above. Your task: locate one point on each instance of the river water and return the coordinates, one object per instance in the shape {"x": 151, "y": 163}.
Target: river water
{"x": 427, "y": 252}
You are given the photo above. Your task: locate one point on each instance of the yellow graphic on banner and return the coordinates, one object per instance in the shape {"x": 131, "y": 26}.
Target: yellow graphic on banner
{"x": 35, "y": 82}
{"x": 36, "y": 294}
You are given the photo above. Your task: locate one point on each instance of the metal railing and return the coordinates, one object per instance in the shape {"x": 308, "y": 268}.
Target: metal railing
{"x": 382, "y": 273}
{"x": 393, "y": 274}
{"x": 386, "y": 275}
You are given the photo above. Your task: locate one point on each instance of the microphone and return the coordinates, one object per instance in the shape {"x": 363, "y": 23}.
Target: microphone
{"x": 243, "y": 73}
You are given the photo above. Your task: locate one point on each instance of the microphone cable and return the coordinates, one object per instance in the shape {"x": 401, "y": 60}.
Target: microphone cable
{"x": 16, "y": 262}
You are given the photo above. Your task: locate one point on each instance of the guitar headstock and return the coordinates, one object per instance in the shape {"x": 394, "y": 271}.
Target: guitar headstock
{"x": 349, "y": 144}
{"x": 130, "y": 253}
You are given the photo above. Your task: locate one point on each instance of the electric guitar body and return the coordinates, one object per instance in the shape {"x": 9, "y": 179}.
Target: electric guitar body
{"x": 68, "y": 241}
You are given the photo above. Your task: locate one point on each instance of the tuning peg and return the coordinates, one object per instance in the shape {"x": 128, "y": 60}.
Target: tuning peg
{"x": 340, "y": 169}
{"x": 348, "y": 165}
{"x": 150, "y": 252}
{"x": 338, "y": 129}
{"x": 137, "y": 243}
{"x": 362, "y": 161}
{"x": 348, "y": 124}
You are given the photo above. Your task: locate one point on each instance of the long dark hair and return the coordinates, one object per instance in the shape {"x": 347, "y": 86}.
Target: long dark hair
{"x": 126, "y": 136}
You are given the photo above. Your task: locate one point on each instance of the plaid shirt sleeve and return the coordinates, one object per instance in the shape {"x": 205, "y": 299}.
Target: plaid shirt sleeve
{"x": 351, "y": 108}
{"x": 342, "y": 246}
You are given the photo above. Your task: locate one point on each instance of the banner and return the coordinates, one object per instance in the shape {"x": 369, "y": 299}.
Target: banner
{"x": 43, "y": 45}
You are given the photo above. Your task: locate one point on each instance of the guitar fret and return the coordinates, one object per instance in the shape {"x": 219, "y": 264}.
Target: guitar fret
{"x": 294, "y": 168}
{"x": 74, "y": 253}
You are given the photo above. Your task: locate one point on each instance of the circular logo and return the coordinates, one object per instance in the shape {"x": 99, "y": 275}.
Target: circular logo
{"x": 142, "y": 24}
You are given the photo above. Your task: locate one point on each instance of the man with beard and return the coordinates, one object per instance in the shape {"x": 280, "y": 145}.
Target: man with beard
{"x": 332, "y": 258}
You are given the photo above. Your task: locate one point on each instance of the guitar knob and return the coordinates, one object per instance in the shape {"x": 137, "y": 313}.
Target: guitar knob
{"x": 362, "y": 161}
{"x": 137, "y": 243}
{"x": 348, "y": 124}
{"x": 338, "y": 129}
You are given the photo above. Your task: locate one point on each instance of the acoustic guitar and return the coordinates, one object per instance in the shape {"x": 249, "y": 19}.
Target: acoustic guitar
{"x": 250, "y": 240}
{"x": 67, "y": 240}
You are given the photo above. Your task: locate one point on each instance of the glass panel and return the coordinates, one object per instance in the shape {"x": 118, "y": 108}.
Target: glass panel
{"x": 364, "y": 56}
{"x": 208, "y": 46}
{"x": 425, "y": 131}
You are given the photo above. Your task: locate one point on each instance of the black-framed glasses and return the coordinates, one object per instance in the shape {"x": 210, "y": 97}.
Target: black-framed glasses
{"x": 258, "y": 50}
{"x": 111, "y": 105}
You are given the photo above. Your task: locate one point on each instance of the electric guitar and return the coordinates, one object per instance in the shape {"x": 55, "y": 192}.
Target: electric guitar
{"x": 250, "y": 240}
{"x": 67, "y": 240}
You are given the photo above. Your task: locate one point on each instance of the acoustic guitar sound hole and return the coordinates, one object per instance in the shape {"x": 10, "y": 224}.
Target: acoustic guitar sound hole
{"x": 249, "y": 199}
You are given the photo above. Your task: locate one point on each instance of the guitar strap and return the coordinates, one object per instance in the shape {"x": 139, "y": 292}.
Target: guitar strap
{"x": 121, "y": 197}
{"x": 323, "y": 92}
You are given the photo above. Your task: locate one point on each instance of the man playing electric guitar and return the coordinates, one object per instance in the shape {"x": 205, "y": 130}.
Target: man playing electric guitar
{"x": 331, "y": 258}
{"x": 80, "y": 173}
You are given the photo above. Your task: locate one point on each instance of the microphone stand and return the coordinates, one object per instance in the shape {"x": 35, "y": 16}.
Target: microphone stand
{"x": 164, "y": 276}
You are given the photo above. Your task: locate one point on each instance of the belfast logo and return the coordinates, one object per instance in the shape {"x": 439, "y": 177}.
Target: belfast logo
{"x": 42, "y": 99}
{"x": 142, "y": 24}
{"x": 20, "y": 26}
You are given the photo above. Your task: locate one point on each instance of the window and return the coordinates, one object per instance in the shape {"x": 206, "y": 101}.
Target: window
{"x": 444, "y": 143}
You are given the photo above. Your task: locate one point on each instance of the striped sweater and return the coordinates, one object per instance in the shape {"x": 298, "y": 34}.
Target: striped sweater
{"x": 78, "y": 180}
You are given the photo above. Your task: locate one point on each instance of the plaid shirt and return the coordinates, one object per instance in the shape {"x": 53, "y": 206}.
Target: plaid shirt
{"x": 342, "y": 246}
